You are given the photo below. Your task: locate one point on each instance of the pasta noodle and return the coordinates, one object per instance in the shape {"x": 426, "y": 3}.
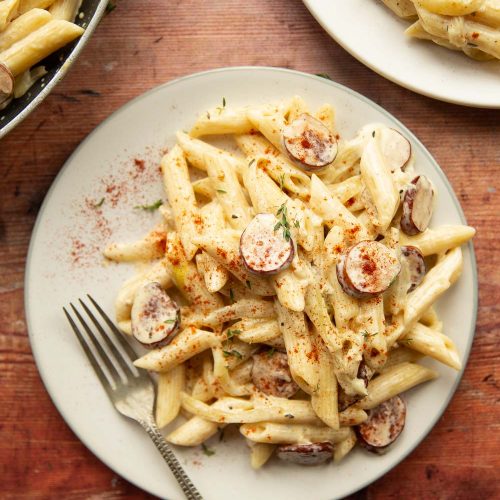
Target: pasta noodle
{"x": 472, "y": 27}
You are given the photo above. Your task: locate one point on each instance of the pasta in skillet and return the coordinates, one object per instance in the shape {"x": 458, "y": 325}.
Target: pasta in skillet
{"x": 470, "y": 26}
{"x": 308, "y": 276}
{"x": 30, "y": 30}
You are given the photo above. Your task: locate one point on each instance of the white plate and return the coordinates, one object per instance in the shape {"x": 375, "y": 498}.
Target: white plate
{"x": 375, "y": 36}
{"x": 64, "y": 264}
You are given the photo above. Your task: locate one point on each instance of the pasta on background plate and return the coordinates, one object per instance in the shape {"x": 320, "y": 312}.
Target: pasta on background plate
{"x": 470, "y": 26}
{"x": 290, "y": 289}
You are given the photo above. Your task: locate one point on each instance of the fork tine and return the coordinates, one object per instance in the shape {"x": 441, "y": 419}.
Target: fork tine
{"x": 114, "y": 373}
{"x": 123, "y": 362}
{"x": 103, "y": 378}
{"x": 118, "y": 336}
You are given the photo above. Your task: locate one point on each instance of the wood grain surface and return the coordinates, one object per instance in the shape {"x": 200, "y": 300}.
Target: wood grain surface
{"x": 142, "y": 44}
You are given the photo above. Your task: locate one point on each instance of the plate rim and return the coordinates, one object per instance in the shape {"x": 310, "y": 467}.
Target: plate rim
{"x": 315, "y": 12}
{"x": 28, "y": 267}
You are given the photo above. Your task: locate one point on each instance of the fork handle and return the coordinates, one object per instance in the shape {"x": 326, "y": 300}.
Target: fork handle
{"x": 185, "y": 483}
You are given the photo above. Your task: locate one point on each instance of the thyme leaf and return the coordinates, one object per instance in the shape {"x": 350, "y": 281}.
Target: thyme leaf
{"x": 208, "y": 452}
{"x": 99, "y": 203}
{"x": 233, "y": 352}
{"x": 150, "y": 208}
{"x": 283, "y": 222}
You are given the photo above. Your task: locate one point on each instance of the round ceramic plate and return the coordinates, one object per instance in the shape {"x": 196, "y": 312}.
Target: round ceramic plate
{"x": 375, "y": 36}
{"x": 92, "y": 202}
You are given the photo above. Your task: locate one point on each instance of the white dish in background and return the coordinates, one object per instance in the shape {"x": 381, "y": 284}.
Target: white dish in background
{"x": 64, "y": 264}
{"x": 371, "y": 33}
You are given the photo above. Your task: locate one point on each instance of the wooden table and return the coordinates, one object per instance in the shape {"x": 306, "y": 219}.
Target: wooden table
{"x": 142, "y": 44}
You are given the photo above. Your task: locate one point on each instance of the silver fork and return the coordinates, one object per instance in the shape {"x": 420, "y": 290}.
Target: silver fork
{"x": 130, "y": 390}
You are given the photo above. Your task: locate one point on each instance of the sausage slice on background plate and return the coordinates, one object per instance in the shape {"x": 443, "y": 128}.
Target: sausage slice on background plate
{"x": 271, "y": 374}
{"x": 367, "y": 269}
{"x": 305, "y": 454}
{"x": 155, "y": 316}
{"x": 266, "y": 247}
{"x": 383, "y": 426}
{"x": 395, "y": 148}
{"x": 309, "y": 143}
{"x": 418, "y": 204}
{"x": 416, "y": 264}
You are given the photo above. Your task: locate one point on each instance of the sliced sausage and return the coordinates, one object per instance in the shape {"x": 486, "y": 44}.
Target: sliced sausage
{"x": 367, "y": 269}
{"x": 395, "y": 148}
{"x": 309, "y": 143}
{"x": 6, "y": 84}
{"x": 266, "y": 246}
{"x": 383, "y": 426}
{"x": 271, "y": 374}
{"x": 418, "y": 203}
{"x": 155, "y": 316}
{"x": 305, "y": 454}
{"x": 416, "y": 264}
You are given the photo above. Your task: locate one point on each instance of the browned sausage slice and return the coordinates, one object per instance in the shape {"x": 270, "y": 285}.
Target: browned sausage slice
{"x": 418, "y": 203}
{"x": 6, "y": 84}
{"x": 271, "y": 374}
{"x": 305, "y": 454}
{"x": 155, "y": 316}
{"x": 266, "y": 247}
{"x": 368, "y": 269}
{"x": 383, "y": 426}
{"x": 416, "y": 264}
{"x": 395, "y": 148}
{"x": 309, "y": 143}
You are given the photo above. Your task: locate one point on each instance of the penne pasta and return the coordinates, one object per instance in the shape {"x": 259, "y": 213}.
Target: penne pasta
{"x": 168, "y": 401}
{"x": 393, "y": 381}
{"x": 31, "y": 49}
{"x": 22, "y": 26}
{"x": 295, "y": 301}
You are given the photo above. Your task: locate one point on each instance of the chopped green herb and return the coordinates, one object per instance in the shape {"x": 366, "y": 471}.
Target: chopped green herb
{"x": 221, "y": 191}
{"x": 99, "y": 203}
{"x": 150, "y": 208}
{"x": 283, "y": 223}
{"x": 170, "y": 321}
{"x": 231, "y": 333}
{"x": 231, "y": 295}
{"x": 249, "y": 285}
{"x": 251, "y": 162}
{"x": 220, "y": 109}
{"x": 110, "y": 6}
{"x": 271, "y": 352}
{"x": 282, "y": 181}
{"x": 234, "y": 216}
{"x": 296, "y": 223}
{"x": 373, "y": 133}
{"x": 408, "y": 341}
{"x": 323, "y": 75}
{"x": 208, "y": 452}
{"x": 233, "y": 352}
{"x": 208, "y": 115}
{"x": 289, "y": 415}
{"x": 366, "y": 334}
